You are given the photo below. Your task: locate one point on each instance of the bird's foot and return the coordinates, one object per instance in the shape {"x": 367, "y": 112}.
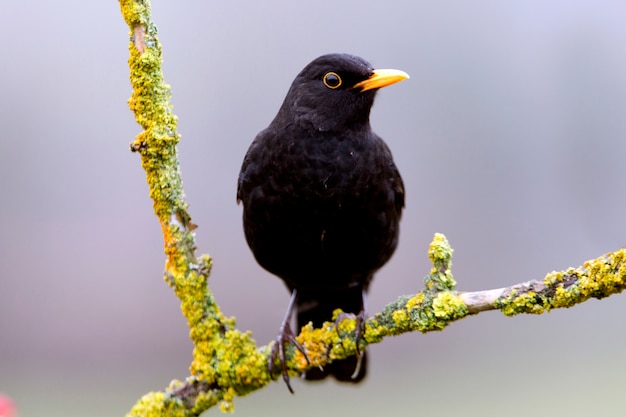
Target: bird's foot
{"x": 359, "y": 333}
{"x": 284, "y": 337}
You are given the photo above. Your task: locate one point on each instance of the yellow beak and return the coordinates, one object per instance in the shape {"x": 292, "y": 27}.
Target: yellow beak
{"x": 382, "y": 78}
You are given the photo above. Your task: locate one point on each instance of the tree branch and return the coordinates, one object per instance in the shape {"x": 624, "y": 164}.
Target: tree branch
{"x": 226, "y": 361}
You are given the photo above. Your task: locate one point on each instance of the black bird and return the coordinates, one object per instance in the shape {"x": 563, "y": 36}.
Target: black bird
{"x": 322, "y": 198}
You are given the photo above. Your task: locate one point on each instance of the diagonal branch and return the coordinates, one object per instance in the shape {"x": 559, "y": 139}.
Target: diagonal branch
{"x": 226, "y": 361}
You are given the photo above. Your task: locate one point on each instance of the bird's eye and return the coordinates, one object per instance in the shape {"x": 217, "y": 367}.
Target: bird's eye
{"x": 332, "y": 80}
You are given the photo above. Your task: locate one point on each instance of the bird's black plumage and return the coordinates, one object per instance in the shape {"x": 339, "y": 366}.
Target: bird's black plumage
{"x": 322, "y": 197}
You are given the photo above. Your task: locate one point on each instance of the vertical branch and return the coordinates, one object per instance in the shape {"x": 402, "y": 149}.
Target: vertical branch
{"x": 150, "y": 101}
{"x": 188, "y": 275}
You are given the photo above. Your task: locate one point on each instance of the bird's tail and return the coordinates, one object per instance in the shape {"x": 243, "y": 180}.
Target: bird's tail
{"x": 317, "y": 308}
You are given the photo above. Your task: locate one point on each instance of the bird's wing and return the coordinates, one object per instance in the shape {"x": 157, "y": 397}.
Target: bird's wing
{"x": 399, "y": 189}
{"x": 396, "y": 178}
{"x": 247, "y": 160}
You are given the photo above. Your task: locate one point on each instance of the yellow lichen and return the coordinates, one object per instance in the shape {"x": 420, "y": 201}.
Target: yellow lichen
{"x": 156, "y": 404}
{"x": 528, "y": 303}
{"x": 440, "y": 254}
{"x": 448, "y": 306}
{"x": 310, "y": 339}
{"x": 400, "y": 319}
{"x": 597, "y": 278}
{"x": 440, "y": 251}
{"x": 346, "y": 325}
{"x": 375, "y": 331}
{"x": 226, "y": 405}
{"x": 204, "y": 401}
{"x": 415, "y": 302}
{"x": 564, "y": 298}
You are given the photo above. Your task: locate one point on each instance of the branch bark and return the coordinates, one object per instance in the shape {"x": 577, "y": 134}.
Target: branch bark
{"x": 226, "y": 361}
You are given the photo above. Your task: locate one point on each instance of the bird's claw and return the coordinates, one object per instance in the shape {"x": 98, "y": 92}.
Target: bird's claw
{"x": 359, "y": 333}
{"x": 285, "y": 336}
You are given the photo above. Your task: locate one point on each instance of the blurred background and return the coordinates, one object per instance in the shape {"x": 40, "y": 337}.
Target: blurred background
{"x": 509, "y": 136}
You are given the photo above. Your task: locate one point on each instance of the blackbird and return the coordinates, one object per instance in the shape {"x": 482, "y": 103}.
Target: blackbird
{"x": 322, "y": 199}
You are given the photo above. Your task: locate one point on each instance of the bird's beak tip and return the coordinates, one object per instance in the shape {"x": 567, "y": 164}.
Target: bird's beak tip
{"x": 382, "y": 78}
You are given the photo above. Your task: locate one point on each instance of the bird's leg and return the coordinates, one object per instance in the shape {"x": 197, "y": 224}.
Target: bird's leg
{"x": 285, "y": 335}
{"x": 360, "y": 323}
{"x": 358, "y": 332}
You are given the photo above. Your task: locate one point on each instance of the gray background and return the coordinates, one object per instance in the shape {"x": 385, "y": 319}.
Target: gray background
{"x": 509, "y": 135}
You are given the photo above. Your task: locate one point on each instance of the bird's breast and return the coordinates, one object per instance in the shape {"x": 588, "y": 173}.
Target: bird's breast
{"x": 319, "y": 204}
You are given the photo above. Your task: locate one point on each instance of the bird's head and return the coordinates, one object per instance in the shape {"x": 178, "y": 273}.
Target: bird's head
{"x": 335, "y": 92}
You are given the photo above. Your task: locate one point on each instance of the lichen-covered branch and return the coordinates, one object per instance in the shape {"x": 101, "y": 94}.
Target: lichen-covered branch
{"x": 227, "y": 362}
